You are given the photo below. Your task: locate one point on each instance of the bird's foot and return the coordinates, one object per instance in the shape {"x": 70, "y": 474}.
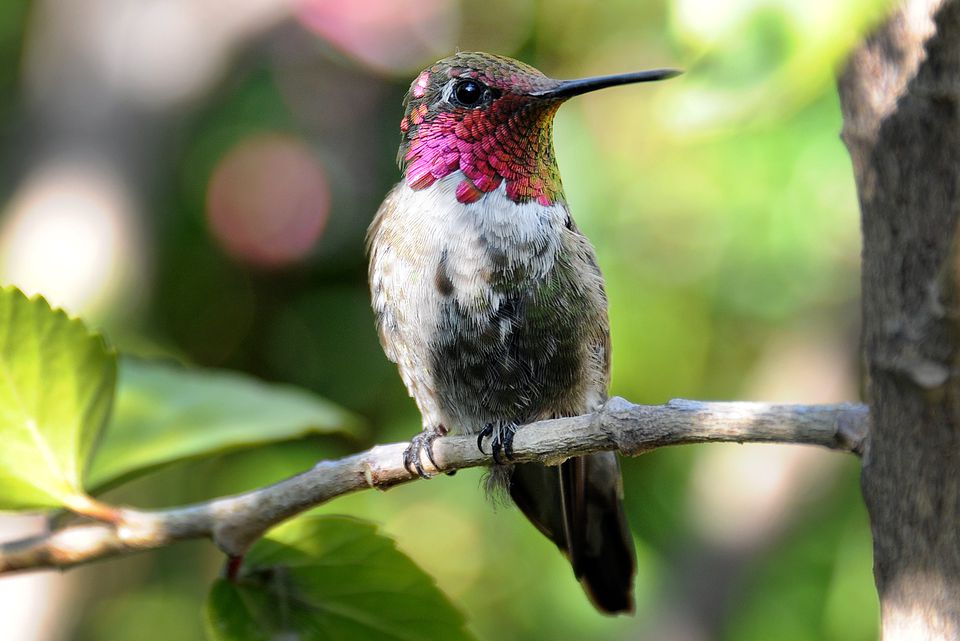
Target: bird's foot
{"x": 418, "y": 444}
{"x": 501, "y": 440}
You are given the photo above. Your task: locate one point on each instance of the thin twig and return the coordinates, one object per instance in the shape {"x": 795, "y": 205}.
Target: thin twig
{"x": 235, "y": 522}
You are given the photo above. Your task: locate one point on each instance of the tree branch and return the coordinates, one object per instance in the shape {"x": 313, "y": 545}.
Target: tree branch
{"x": 235, "y": 522}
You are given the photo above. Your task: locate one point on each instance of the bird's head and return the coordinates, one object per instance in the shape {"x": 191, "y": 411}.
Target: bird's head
{"x": 491, "y": 118}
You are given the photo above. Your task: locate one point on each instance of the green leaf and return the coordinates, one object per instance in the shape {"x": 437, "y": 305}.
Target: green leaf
{"x": 56, "y": 385}
{"x": 166, "y": 413}
{"x": 330, "y": 577}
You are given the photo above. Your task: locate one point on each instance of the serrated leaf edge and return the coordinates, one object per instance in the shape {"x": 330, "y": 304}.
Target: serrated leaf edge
{"x": 70, "y": 491}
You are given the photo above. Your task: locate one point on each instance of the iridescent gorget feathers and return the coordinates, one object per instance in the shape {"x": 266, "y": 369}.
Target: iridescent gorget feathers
{"x": 510, "y": 141}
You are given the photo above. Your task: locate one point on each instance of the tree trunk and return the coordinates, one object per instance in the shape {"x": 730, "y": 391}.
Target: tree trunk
{"x": 901, "y": 102}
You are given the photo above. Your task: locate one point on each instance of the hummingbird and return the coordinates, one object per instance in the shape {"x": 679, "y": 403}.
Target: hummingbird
{"x": 489, "y": 298}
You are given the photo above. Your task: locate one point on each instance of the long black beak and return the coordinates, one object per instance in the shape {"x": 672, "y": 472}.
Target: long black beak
{"x": 568, "y": 88}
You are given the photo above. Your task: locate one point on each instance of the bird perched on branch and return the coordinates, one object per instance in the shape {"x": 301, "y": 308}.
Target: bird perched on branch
{"x": 490, "y": 300}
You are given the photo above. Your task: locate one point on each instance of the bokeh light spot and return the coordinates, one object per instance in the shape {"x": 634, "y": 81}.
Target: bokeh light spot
{"x": 394, "y": 36}
{"x": 68, "y": 235}
{"x": 268, "y": 200}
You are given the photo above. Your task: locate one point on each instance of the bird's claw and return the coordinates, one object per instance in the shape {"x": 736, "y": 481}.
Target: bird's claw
{"x": 412, "y": 455}
{"x": 501, "y": 441}
{"x": 484, "y": 433}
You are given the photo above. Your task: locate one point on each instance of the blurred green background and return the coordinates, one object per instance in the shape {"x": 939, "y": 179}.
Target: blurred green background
{"x": 195, "y": 177}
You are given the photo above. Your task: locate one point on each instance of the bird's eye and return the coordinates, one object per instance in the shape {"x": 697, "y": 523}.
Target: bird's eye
{"x": 468, "y": 93}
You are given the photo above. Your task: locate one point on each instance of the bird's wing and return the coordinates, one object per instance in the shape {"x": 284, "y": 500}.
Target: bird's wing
{"x": 378, "y": 248}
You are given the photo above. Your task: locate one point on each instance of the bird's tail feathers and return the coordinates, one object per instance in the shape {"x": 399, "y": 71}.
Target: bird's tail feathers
{"x": 579, "y": 506}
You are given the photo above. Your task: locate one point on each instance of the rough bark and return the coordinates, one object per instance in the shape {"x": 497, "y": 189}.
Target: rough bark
{"x": 901, "y": 101}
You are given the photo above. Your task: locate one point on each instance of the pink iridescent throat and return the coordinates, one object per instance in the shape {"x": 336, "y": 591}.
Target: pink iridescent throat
{"x": 508, "y": 142}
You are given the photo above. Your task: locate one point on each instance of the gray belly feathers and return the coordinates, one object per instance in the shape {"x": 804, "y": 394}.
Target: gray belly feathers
{"x": 494, "y": 312}
{"x": 517, "y": 359}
